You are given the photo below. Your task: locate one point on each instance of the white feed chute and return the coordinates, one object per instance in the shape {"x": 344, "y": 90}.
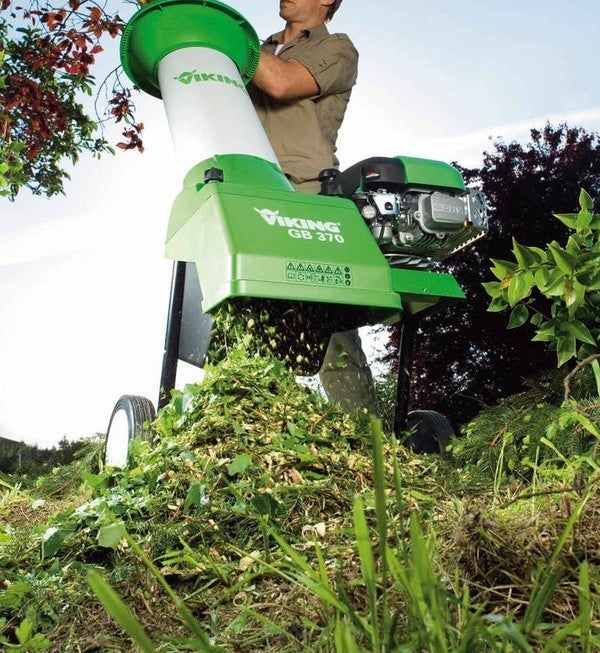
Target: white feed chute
{"x": 208, "y": 108}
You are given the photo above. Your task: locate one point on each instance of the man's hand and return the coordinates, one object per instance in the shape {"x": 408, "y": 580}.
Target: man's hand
{"x": 284, "y": 80}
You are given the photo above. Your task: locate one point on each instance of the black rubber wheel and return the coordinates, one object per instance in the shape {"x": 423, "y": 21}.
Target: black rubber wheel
{"x": 129, "y": 417}
{"x": 430, "y": 432}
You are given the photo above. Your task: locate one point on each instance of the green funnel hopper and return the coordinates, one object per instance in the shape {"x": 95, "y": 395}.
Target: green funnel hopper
{"x": 164, "y": 26}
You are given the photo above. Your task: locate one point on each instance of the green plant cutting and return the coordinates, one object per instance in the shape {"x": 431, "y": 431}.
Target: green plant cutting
{"x": 567, "y": 276}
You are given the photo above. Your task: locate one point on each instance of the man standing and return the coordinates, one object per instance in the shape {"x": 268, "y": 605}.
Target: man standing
{"x": 300, "y": 91}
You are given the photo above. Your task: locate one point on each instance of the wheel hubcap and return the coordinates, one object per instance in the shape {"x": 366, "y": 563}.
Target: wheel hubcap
{"x": 117, "y": 441}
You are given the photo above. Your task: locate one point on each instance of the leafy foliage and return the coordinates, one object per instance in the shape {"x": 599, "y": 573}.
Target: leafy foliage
{"x": 48, "y": 54}
{"x": 567, "y": 276}
{"x": 511, "y": 440}
{"x": 11, "y": 165}
{"x": 28, "y": 463}
{"x": 556, "y": 288}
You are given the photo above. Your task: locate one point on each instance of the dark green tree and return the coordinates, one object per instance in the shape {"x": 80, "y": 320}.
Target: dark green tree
{"x": 465, "y": 356}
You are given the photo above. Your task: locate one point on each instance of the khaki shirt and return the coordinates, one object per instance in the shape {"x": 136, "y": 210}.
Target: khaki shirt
{"x": 303, "y": 132}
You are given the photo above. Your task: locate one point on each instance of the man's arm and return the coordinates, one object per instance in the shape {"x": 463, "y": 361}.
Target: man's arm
{"x": 284, "y": 80}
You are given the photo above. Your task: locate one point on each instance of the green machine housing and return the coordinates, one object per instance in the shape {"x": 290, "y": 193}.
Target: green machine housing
{"x": 359, "y": 253}
{"x": 263, "y": 240}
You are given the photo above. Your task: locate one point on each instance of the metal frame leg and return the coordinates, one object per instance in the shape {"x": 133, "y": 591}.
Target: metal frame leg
{"x": 408, "y": 336}
{"x": 405, "y": 365}
{"x": 171, "y": 352}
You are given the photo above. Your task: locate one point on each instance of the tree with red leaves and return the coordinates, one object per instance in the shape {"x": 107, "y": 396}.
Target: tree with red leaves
{"x": 48, "y": 56}
{"x": 465, "y": 357}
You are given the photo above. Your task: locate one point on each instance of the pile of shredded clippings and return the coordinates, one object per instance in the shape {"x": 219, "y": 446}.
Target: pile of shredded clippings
{"x": 242, "y": 472}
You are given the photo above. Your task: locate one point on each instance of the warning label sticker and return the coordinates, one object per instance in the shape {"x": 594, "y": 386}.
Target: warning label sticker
{"x": 322, "y": 274}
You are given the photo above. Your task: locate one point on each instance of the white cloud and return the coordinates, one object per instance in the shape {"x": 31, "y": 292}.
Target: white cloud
{"x": 468, "y": 147}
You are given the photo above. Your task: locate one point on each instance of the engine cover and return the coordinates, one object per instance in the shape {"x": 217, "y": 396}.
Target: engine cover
{"x": 440, "y": 212}
{"x": 416, "y": 227}
{"x": 418, "y": 210}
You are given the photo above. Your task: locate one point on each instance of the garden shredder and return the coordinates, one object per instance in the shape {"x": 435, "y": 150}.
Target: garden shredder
{"x": 361, "y": 252}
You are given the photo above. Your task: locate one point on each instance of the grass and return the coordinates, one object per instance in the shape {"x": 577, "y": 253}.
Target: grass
{"x": 263, "y": 519}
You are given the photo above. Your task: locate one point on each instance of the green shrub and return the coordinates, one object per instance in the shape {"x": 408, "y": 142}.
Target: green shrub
{"x": 566, "y": 279}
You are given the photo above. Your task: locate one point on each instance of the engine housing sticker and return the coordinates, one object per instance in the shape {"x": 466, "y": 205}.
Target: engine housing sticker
{"x": 321, "y": 274}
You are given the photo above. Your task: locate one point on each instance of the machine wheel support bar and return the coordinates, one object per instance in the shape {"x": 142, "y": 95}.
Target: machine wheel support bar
{"x": 172, "y": 336}
{"x": 408, "y": 335}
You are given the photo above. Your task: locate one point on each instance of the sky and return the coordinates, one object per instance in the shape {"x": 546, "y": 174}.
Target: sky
{"x": 83, "y": 283}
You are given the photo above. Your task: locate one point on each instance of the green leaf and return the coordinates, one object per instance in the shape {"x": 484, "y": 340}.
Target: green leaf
{"x": 508, "y": 632}
{"x": 518, "y": 316}
{"x": 585, "y": 201}
{"x": 540, "y": 596}
{"x": 97, "y": 480}
{"x": 566, "y": 349}
{"x": 30, "y": 643}
{"x": 53, "y": 539}
{"x": 555, "y": 284}
{"x": 546, "y": 333}
{"x": 594, "y": 282}
{"x": 570, "y": 219}
{"x": 344, "y": 642}
{"x": 265, "y": 504}
{"x": 540, "y": 253}
{"x": 580, "y": 331}
{"x": 596, "y": 370}
{"x": 492, "y": 288}
{"x": 541, "y": 277}
{"x": 587, "y": 424}
{"x": 590, "y": 259}
{"x": 109, "y": 536}
{"x": 520, "y": 287}
{"x": 525, "y": 257}
{"x": 18, "y": 146}
{"x": 367, "y": 563}
{"x": 537, "y": 319}
{"x": 498, "y": 304}
{"x": 574, "y": 295}
{"x": 24, "y": 631}
{"x": 196, "y": 497}
{"x": 502, "y": 269}
{"x": 573, "y": 248}
{"x": 117, "y": 609}
{"x": 14, "y": 596}
{"x": 239, "y": 464}
{"x": 584, "y": 219}
{"x": 585, "y": 605}
{"x": 565, "y": 261}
